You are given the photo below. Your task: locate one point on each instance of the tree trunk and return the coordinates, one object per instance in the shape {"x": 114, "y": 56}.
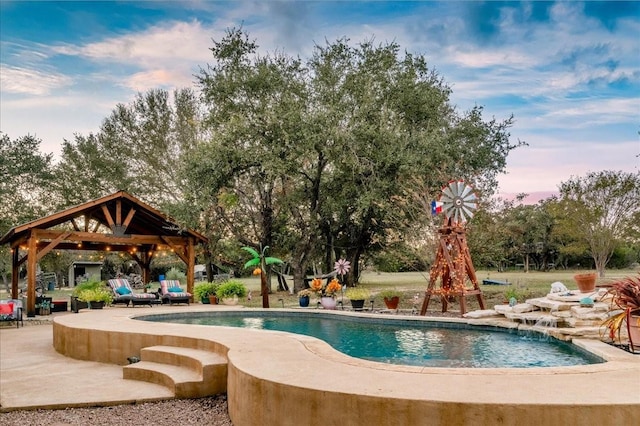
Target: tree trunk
{"x": 298, "y": 276}
{"x": 264, "y": 289}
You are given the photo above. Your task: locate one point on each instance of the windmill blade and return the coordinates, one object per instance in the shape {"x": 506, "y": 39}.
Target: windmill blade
{"x": 467, "y": 192}
{"x": 467, "y": 213}
{"x": 459, "y": 202}
{"x": 470, "y": 197}
{"x": 448, "y": 210}
{"x": 448, "y": 191}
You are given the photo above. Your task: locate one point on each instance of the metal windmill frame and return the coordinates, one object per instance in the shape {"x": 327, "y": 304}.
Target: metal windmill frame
{"x": 452, "y": 266}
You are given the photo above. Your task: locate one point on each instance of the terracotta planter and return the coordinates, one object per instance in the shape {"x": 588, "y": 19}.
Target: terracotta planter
{"x": 213, "y": 300}
{"x": 328, "y": 303}
{"x": 392, "y": 303}
{"x": 586, "y": 282}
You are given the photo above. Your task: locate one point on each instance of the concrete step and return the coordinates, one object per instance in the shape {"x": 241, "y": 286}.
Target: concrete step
{"x": 195, "y": 359}
{"x": 188, "y": 373}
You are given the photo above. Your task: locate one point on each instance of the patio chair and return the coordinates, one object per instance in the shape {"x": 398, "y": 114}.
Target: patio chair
{"x": 11, "y": 310}
{"x": 123, "y": 293}
{"x": 170, "y": 292}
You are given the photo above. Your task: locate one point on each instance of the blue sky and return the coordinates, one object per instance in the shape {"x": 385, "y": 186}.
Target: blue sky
{"x": 568, "y": 71}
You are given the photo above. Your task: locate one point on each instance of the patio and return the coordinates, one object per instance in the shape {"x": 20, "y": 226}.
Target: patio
{"x": 305, "y": 375}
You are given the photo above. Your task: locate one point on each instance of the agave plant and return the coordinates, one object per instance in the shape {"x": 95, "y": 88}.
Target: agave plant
{"x": 259, "y": 261}
{"x": 625, "y": 297}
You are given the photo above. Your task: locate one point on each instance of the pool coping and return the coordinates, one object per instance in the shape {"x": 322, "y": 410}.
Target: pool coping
{"x": 307, "y": 374}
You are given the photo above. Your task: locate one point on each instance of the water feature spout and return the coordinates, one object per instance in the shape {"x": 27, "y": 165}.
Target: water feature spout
{"x": 547, "y": 321}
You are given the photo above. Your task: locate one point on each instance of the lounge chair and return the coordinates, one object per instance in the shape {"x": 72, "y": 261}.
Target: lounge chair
{"x": 123, "y": 293}
{"x": 170, "y": 292}
{"x": 11, "y": 310}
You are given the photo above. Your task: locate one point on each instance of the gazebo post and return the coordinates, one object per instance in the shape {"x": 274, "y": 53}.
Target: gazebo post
{"x": 15, "y": 251}
{"x": 32, "y": 258}
{"x": 191, "y": 265}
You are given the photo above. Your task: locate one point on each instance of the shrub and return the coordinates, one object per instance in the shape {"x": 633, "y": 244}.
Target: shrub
{"x": 626, "y": 298}
{"x": 357, "y": 293}
{"x": 231, "y": 288}
{"x": 511, "y": 293}
{"x": 92, "y": 283}
{"x": 389, "y": 294}
{"x": 99, "y": 294}
{"x": 176, "y": 275}
{"x": 204, "y": 290}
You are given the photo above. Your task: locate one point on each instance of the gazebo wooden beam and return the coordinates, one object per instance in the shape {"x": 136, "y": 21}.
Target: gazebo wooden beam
{"x": 50, "y": 246}
{"x": 132, "y": 239}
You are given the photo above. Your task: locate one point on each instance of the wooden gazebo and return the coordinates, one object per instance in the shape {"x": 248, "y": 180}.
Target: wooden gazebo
{"x": 118, "y": 222}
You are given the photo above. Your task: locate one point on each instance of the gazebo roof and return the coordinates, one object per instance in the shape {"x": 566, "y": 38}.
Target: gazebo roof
{"x": 118, "y": 222}
{"x": 120, "y": 212}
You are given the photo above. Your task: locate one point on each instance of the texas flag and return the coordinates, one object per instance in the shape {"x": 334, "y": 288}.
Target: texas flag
{"x": 436, "y": 207}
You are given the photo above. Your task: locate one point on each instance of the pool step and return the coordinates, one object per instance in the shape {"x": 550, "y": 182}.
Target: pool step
{"x": 188, "y": 373}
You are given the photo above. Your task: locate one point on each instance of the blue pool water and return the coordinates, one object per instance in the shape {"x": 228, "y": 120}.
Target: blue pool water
{"x": 404, "y": 342}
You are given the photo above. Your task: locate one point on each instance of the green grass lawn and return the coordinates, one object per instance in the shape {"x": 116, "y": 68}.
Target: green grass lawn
{"x": 527, "y": 285}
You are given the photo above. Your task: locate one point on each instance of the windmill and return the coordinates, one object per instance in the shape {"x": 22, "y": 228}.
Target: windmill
{"x": 452, "y": 266}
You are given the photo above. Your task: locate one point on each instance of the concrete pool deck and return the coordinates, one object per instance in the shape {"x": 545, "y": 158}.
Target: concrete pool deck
{"x": 275, "y": 376}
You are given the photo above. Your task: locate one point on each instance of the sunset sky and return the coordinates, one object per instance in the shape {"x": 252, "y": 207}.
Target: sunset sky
{"x": 568, "y": 71}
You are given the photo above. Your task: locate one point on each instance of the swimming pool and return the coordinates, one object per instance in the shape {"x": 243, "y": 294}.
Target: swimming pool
{"x": 405, "y": 341}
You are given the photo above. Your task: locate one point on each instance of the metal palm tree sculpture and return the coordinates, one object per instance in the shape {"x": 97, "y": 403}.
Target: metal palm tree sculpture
{"x": 260, "y": 261}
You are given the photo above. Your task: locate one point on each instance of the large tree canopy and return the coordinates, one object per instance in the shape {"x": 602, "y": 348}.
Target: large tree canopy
{"x": 603, "y": 210}
{"x": 25, "y": 179}
{"x": 141, "y": 148}
{"x": 318, "y": 157}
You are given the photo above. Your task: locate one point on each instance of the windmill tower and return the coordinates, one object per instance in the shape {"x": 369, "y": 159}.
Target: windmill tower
{"x": 453, "y": 266}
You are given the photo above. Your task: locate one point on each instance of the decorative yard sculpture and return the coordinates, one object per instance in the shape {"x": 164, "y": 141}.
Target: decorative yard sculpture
{"x": 260, "y": 261}
{"x": 452, "y": 265}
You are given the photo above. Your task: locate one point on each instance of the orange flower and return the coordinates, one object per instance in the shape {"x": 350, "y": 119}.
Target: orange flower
{"x": 333, "y": 286}
{"x": 257, "y": 271}
{"x": 316, "y": 284}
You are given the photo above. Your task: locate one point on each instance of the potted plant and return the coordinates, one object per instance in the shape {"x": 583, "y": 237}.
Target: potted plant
{"x": 44, "y": 308}
{"x": 586, "y": 282}
{"x": 96, "y": 298}
{"x": 91, "y": 284}
{"x": 327, "y": 292}
{"x": 391, "y": 298}
{"x": 206, "y": 292}
{"x": 511, "y": 296}
{"x": 625, "y": 298}
{"x": 303, "y": 297}
{"x": 230, "y": 291}
{"x": 357, "y": 296}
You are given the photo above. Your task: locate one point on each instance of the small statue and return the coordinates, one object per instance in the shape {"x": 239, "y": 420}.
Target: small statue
{"x": 558, "y": 287}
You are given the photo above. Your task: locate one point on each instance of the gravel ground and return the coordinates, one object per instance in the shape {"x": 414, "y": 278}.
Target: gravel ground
{"x": 203, "y": 411}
